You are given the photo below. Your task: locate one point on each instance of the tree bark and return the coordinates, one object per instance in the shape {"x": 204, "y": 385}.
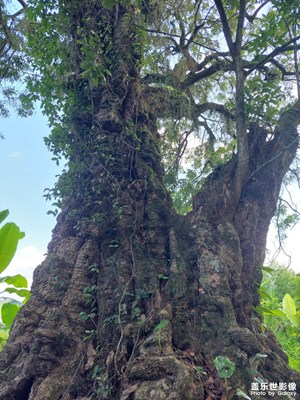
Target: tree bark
{"x": 134, "y": 301}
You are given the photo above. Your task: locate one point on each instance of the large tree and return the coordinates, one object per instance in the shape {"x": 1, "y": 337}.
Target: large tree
{"x": 135, "y": 300}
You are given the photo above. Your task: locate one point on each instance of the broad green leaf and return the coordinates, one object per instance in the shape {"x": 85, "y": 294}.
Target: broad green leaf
{"x": 224, "y": 366}
{"x": 3, "y": 215}
{"x": 85, "y": 316}
{"x": 8, "y": 313}
{"x": 288, "y": 305}
{"x": 263, "y": 310}
{"x": 278, "y": 313}
{"x": 9, "y": 238}
{"x": 18, "y": 281}
{"x": 289, "y": 308}
{"x": 264, "y": 294}
{"x": 20, "y": 292}
{"x": 161, "y": 325}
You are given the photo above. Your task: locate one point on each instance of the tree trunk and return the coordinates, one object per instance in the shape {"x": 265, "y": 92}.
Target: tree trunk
{"x": 134, "y": 301}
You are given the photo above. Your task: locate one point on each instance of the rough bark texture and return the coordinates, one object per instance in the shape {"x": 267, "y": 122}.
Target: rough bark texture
{"x": 165, "y": 294}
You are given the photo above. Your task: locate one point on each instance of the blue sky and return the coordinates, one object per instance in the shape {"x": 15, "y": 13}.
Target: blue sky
{"x": 26, "y": 169}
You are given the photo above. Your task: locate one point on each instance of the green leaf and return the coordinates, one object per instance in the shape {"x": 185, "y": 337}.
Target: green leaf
{"x": 8, "y": 313}
{"x": 264, "y": 294}
{"x": 18, "y": 281}
{"x": 225, "y": 368}
{"x": 85, "y": 316}
{"x": 161, "y": 325}
{"x": 3, "y": 215}
{"x": 240, "y": 393}
{"x": 9, "y": 238}
{"x": 268, "y": 269}
{"x": 289, "y": 308}
{"x": 20, "y": 292}
{"x": 163, "y": 277}
{"x": 263, "y": 310}
{"x": 108, "y": 4}
{"x": 288, "y": 305}
{"x": 278, "y": 313}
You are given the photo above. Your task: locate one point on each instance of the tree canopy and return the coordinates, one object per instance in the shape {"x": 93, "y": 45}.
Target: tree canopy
{"x": 209, "y": 69}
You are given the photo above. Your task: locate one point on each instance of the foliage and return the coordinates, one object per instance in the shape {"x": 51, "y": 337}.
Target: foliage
{"x": 159, "y": 328}
{"x": 290, "y": 311}
{"x": 180, "y": 53}
{"x": 10, "y": 235}
{"x": 225, "y": 369}
{"x": 280, "y": 306}
{"x": 186, "y": 62}
{"x": 3, "y": 338}
{"x": 224, "y": 366}
{"x": 13, "y": 61}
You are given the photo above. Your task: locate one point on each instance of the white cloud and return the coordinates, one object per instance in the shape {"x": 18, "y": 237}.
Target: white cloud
{"x": 25, "y": 261}
{"x": 15, "y": 154}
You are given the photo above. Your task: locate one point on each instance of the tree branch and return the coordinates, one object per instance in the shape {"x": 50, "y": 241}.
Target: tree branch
{"x": 196, "y": 27}
{"x": 240, "y": 26}
{"x": 16, "y": 14}
{"x": 286, "y": 138}
{"x": 226, "y": 28}
{"x": 214, "y": 107}
{"x": 281, "y": 68}
{"x": 281, "y": 49}
{"x": 23, "y": 4}
{"x": 252, "y": 17}
{"x": 173, "y": 104}
{"x": 193, "y": 77}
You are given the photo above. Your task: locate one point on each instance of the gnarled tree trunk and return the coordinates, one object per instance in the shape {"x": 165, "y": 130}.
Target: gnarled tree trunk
{"x": 133, "y": 301}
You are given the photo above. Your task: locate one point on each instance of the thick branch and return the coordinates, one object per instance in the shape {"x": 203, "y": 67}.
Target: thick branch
{"x": 23, "y": 4}
{"x": 193, "y": 77}
{"x": 220, "y": 65}
{"x": 173, "y": 104}
{"x": 217, "y": 57}
{"x": 281, "y": 68}
{"x": 289, "y": 121}
{"x": 281, "y": 49}
{"x": 239, "y": 68}
{"x": 215, "y": 107}
{"x": 226, "y": 28}
{"x": 16, "y": 14}
{"x": 240, "y": 26}
{"x": 241, "y": 130}
{"x": 285, "y": 142}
